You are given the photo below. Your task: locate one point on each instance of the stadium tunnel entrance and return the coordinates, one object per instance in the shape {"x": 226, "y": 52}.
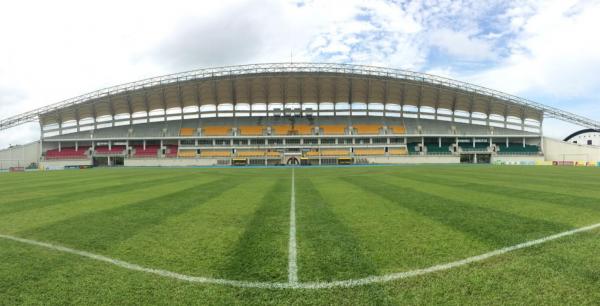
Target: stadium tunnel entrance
{"x": 108, "y": 161}
{"x": 475, "y": 158}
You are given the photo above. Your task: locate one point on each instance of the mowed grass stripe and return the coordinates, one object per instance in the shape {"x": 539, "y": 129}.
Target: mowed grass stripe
{"x": 100, "y": 231}
{"x": 195, "y": 242}
{"x": 87, "y": 191}
{"x": 494, "y": 227}
{"x": 261, "y": 252}
{"x": 590, "y": 187}
{"x": 33, "y": 180}
{"x": 506, "y": 202}
{"x": 391, "y": 235}
{"x": 525, "y": 193}
{"x": 45, "y": 216}
{"x": 327, "y": 248}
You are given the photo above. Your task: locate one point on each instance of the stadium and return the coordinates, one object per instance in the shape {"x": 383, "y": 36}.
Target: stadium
{"x": 299, "y": 183}
{"x": 293, "y": 113}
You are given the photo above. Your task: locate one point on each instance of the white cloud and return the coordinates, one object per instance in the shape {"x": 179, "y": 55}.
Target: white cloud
{"x": 555, "y": 52}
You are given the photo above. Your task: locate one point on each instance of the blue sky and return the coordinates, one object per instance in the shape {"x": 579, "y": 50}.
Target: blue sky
{"x": 547, "y": 51}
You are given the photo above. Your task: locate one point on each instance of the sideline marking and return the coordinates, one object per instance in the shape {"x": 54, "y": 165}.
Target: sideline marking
{"x": 298, "y": 285}
{"x": 292, "y": 262}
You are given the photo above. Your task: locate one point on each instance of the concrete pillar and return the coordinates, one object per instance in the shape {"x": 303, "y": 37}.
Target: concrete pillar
{"x": 523, "y": 142}
{"x": 439, "y": 142}
{"x": 507, "y": 142}
{"x": 144, "y": 144}
{"x": 76, "y": 146}
{"x": 109, "y": 145}
{"x": 59, "y": 147}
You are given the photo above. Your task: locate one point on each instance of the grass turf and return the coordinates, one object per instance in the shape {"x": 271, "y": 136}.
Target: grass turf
{"x": 351, "y": 223}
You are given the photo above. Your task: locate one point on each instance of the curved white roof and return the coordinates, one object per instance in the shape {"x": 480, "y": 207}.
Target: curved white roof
{"x": 293, "y": 83}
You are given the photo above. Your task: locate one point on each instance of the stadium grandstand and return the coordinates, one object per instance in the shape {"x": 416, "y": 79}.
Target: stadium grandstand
{"x": 293, "y": 113}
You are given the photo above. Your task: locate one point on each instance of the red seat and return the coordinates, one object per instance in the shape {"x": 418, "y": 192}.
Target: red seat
{"x": 67, "y": 153}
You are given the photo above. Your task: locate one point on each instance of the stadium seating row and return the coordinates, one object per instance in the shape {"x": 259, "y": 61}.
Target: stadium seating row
{"x": 258, "y": 130}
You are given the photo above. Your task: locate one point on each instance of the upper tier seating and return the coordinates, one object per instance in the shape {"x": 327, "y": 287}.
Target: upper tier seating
{"x": 150, "y": 151}
{"x": 113, "y": 150}
{"x": 333, "y": 129}
{"x": 303, "y": 129}
{"x": 250, "y": 130}
{"x": 397, "y": 129}
{"x": 367, "y": 129}
{"x": 187, "y": 132}
{"x": 186, "y": 153}
{"x": 216, "y": 130}
{"x": 397, "y": 151}
{"x": 215, "y": 153}
{"x": 280, "y": 129}
{"x": 67, "y": 153}
{"x": 368, "y": 152}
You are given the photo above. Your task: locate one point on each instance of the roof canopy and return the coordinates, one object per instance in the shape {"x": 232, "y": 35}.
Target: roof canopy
{"x": 293, "y": 83}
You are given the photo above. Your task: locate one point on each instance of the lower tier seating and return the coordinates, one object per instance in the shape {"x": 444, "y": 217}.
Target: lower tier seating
{"x": 215, "y": 153}
{"x": 150, "y": 151}
{"x": 334, "y": 152}
{"x": 518, "y": 149}
{"x": 397, "y": 151}
{"x": 186, "y": 153}
{"x": 369, "y": 152}
{"x": 111, "y": 150}
{"x": 67, "y": 153}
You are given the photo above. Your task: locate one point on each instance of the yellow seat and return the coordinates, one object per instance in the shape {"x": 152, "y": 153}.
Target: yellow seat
{"x": 370, "y": 129}
{"x": 280, "y": 129}
{"x": 334, "y": 152}
{"x": 251, "y": 130}
{"x": 251, "y": 153}
{"x": 312, "y": 153}
{"x": 187, "y": 132}
{"x": 398, "y": 151}
{"x": 272, "y": 154}
{"x": 215, "y": 154}
{"x": 379, "y": 151}
{"x": 397, "y": 129}
{"x": 186, "y": 153}
{"x": 333, "y": 129}
{"x": 303, "y": 130}
{"x": 216, "y": 130}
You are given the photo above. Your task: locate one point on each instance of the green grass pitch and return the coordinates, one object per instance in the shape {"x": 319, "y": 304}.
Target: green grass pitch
{"x": 351, "y": 223}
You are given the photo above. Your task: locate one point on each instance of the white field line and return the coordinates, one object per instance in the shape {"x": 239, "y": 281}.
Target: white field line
{"x": 298, "y": 285}
{"x": 292, "y": 250}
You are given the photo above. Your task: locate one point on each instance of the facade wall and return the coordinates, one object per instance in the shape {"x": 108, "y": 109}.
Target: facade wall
{"x": 169, "y": 162}
{"x": 20, "y": 155}
{"x": 587, "y": 139}
{"x": 414, "y": 159}
{"x": 60, "y": 164}
{"x": 558, "y": 150}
